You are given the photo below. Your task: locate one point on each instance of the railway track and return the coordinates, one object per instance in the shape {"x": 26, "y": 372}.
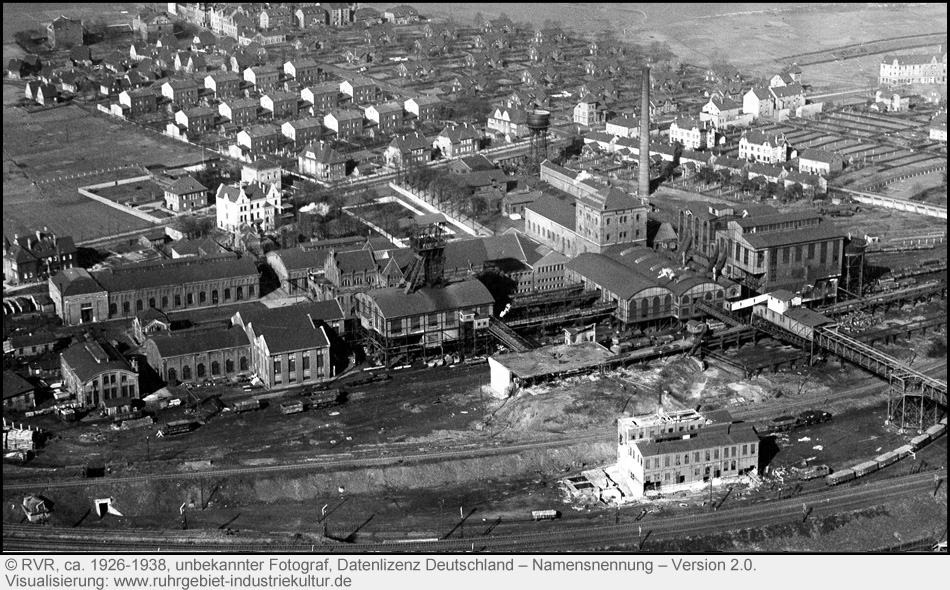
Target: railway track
{"x": 564, "y": 535}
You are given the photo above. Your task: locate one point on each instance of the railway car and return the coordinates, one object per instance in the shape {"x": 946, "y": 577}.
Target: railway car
{"x": 839, "y": 477}
{"x": 810, "y": 417}
{"x": 67, "y": 414}
{"x": 780, "y": 424}
{"x": 545, "y": 514}
{"x": 902, "y": 451}
{"x": 814, "y": 472}
{"x": 248, "y": 405}
{"x": 936, "y": 430}
{"x": 918, "y": 442}
{"x": 121, "y": 417}
{"x": 866, "y": 468}
{"x": 325, "y": 398}
{"x": 176, "y": 427}
{"x": 291, "y": 407}
{"x": 886, "y": 459}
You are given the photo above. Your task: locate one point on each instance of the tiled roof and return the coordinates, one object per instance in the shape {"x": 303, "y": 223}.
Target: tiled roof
{"x": 76, "y": 281}
{"x": 294, "y": 327}
{"x": 557, "y": 210}
{"x": 171, "y": 345}
{"x": 818, "y": 155}
{"x": 185, "y": 185}
{"x": 757, "y": 137}
{"x": 355, "y": 261}
{"x": 610, "y": 274}
{"x": 395, "y": 303}
{"x": 322, "y": 152}
{"x": 774, "y": 239}
{"x": 90, "y": 358}
{"x": 156, "y": 276}
{"x": 713, "y": 436}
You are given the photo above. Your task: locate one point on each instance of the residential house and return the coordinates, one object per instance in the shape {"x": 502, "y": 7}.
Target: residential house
{"x": 344, "y": 122}
{"x": 323, "y": 97}
{"x": 367, "y": 16}
{"x": 240, "y": 111}
{"x": 196, "y": 120}
{"x": 204, "y": 41}
{"x": 513, "y": 123}
{"x": 149, "y": 26}
{"x": 280, "y": 104}
{"x": 821, "y": 162}
{"x": 320, "y": 161}
{"x": 401, "y": 15}
{"x": 457, "y": 141}
{"x": 589, "y": 112}
{"x": 36, "y": 256}
{"x": 758, "y": 102}
{"x": 302, "y": 131}
{"x": 185, "y": 194}
{"x": 304, "y": 71}
{"x": 249, "y": 204}
{"x": 64, "y": 32}
{"x": 263, "y": 78}
{"x": 790, "y": 96}
{"x": 626, "y": 125}
{"x": 360, "y": 89}
{"x": 183, "y": 92}
{"x": 276, "y": 17}
{"x": 262, "y": 172}
{"x": 425, "y": 108}
{"x": 927, "y": 68}
{"x": 309, "y": 16}
{"x": 692, "y": 134}
{"x": 260, "y": 139}
{"x": 223, "y": 84}
{"x": 938, "y": 127}
{"x": 721, "y": 112}
{"x": 94, "y": 372}
{"x": 760, "y": 146}
{"x": 408, "y": 150}
{"x": 340, "y": 13}
{"x": 387, "y": 116}
{"x": 139, "y": 101}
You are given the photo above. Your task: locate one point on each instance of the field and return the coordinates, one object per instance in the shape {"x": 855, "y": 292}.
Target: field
{"x": 49, "y": 154}
{"x": 19, "y": 16}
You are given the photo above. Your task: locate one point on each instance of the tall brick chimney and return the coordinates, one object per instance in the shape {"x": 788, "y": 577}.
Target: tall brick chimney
{"x": 645, "y": 134}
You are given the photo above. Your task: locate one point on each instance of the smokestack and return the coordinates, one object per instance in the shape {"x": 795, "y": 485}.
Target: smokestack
{"x": 645, "y": 134}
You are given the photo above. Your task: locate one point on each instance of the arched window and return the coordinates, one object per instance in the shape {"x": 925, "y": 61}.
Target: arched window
{"x": 709, "y": 296}
{"x": 243, "y": 363}
{"x": 720, "y": 294}
{"x": 172, "y": 376}
{"x": 138, "y": 305}
{"x": 164, "y": 301}
{"x": 668, "y": 303}
{"x": 229, "y": 366}
{"x": 214, "y": 297}
{"x": 126, "y": 308}
{"x": 644, "y": 307}
{"x": 656, "y": 305}
{"x": 201, "y": 370}
{"x": 113, "y": 309}
{"x": 240, "y": 293}
{"x": 186, "y": 373}
{"x": 201, "y": 297}
{"x": 227, "y": 294}
{"x": 151, "y": 302}
{"x": 684, "y": 300}
{"x": 215, "y": 368}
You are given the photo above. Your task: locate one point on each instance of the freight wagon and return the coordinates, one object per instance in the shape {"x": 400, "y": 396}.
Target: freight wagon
{"x": 325, "y": 398}
{"x": 247, "y": 405}
{"x": 903, "y": 451}
{"x": 176, "y": 427}
{"x": 291, "y": 407}
{"x": 919, "y": 442}
{"x": 814, "y": 472}
{"x": 866, "y": 468}
{"x": 545, "y": 514}
{"x": 886, "y": 459}
{"x": 839, "y": 477}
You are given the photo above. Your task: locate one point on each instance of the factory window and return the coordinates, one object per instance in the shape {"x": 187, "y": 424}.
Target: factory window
{"x": 798, "y": 253}
{"x": 126, "y": 308}
{"x": 824, "y": 252}
{"x": 243, "y": 363}
{"x": 191, "y": 298}
{"x": 164, "y": 302}
{"x": 229, "y": 366}
{"x": 202, "y": 297}
{"x": 138, "y": 305}
{"x": 186, "y": 373}
{"x": 277, "y": 366}
{"x": 214, "y": 297}
{"x": 811, "y": 251}
{"x": 745, "y": 256}
{"x": 240, "y": 293}
{"x": 201, "y": 370}
{"x": 227, "y": 294}
{"x": 113, "y": 309}
{"x": 215, "y": 368}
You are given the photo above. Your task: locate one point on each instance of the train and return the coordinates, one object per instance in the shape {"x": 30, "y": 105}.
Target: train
{"x": 176, "y": 427}
{"x": 890, "y": 457}
{"x": 325, "y": 398}
{"x": 292, "y": 407}
{"x": 785, "y": 423}
{"x": 247, "y": 405}
{"x": 814, "y": 472}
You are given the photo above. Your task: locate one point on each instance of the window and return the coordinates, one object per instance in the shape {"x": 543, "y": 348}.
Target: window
{"x": 243, "y": 363}
{"x": 126, "y": 308}
{"x": 186, "y": 373}
{"x": 666, "y": 461}
{"x": 229, "y": 366}
{"x": 656, "y": 460}
{"x": 202, "y": 297}
{"x": 811, "y": 251}
{"x": 201, "y": 370}
{"x": 191, "y": 298}
{"x": 798, "y": 253}
{"x": 716, "y": 454}
{"x": 227, "y": 294}
{"x": 240, "y": 293}
{"x": 138, "y": 305}
{"x": 164, "y": 301}
{"x": 824, "y": 252}
{"x": 113, "y": 309}
{"x": 744, "y": 450}
{"x": 177, "y": 300}
{"x": 752, "y": 448}
{"x": 250, "y": 290}
{"x": 214, "y": 297}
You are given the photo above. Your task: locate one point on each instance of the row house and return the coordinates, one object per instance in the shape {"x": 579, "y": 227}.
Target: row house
{"x": 260, "y": 139}
{"x": 185, "y": 194}
{"x": 240, "y": 111}
{"x": 692, "y": 134}
{"x": 302, "y": 131}
{"x": 304, "y": 71}
{"x": 197, "y": 120}
{"x": 139, "y": 101}
{"x": 249, "y": 204}
{"x": 425, "y": 108}
{"x": 323, "y": 97}
{"x": 760, "y": 146}
{"x": 310, "y": 16}
{"x": 280, "y": 104}
{"x": 458, "y": 141}
{"x": 407, "y": 150}
{"x": 320, "y": 161}
{"x": 344, "y": 122}
{"x": 262, "y": 77}
{"x": 223, "y": 84}
{"x": 183, "y": 92}
{"x": 360, "y": 89}
{"x": 387, "y": 116}
{"x": 36, "y": 256}
{"x": 913, "y": 69}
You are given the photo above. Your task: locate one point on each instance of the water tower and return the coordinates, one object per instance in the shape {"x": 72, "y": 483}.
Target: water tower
{"x": 538, "y": 122}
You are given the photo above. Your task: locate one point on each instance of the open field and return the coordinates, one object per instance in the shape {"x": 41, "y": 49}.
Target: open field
{"x": 19, "y": 16}
{"x": 46, "y": 146}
